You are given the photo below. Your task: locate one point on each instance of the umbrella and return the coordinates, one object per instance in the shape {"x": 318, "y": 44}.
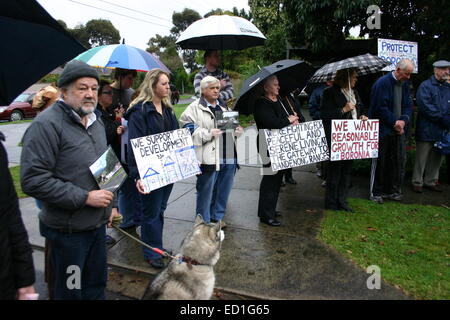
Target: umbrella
{"x": 291, "y": 74}
{"x": 364, "y": 64}
{"x": 33, "y": 44}
{"x": 221, "y": 32}
{"x": 121, "y": 56}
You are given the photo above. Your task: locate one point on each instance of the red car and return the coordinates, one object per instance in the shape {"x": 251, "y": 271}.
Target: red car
{"x": 19, "y": 109}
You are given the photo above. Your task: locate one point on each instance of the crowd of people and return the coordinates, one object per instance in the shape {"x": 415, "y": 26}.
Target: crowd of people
{"x": 62, "y": 142}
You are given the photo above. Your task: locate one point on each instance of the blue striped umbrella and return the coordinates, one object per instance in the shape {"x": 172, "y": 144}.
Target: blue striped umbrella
{"x": 121, "y": 56}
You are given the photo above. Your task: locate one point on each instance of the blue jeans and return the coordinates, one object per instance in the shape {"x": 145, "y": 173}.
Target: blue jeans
{"x": 130, "y": 204}
{"x": 84, "y": 250}
{"x": 153, "y": 207}
{"x": 213, "y": 190}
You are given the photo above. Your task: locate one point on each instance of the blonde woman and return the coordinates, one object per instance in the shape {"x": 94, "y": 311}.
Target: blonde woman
{"x": 151, "y": 113}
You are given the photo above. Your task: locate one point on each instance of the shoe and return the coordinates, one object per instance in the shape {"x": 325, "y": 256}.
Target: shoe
{"x": 291, "y": 180}
{"x": 345, "y": 207}
{"x": 110, "y": 240}
{"x": 271, "y": 222}
{"x": 223, "y": 225}
{"x": 436, "y": 187}
{"x": 278, "y": 214}
{"x": 418, "y": 189}
{"x": 324, "y": 183}
{"x": 393, "y": 196}
{"x": 156, "y": 263}
{"x": 377, "y": 199}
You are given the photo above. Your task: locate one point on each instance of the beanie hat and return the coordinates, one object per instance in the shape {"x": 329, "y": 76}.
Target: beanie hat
{"x": 76, "y": 69}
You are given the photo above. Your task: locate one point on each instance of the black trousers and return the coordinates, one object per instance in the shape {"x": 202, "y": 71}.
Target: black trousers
{"x": 338, "y": 183}
{"x": 389, "y": 172}
{"x": 269, "y": 190}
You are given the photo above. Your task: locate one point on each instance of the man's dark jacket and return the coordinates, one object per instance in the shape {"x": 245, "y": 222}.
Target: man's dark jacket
{"x": 57, "y": 152}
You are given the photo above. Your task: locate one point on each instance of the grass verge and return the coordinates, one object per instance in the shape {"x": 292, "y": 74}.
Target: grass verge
{"x": 410, "y": 243}
{"x": 15, "y": 122}
{"x": 15, "y": 173}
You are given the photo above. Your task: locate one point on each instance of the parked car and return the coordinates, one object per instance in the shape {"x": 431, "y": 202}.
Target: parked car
{"x": 175, "y": 94}
{"x": 19, "y": 109}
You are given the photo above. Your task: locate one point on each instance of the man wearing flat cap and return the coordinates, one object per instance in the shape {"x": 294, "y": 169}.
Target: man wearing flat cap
{"x": 433, "y": 120}
{"x": 58, "y": 148}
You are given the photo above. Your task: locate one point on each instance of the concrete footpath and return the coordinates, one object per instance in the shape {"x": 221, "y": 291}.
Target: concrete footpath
{"x": 257, "y": 261}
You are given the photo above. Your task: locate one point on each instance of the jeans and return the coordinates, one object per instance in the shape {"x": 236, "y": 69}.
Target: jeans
{"x": 76, "y": 254}
{"x": 213, "y": 190}
{"x": 130, "y": 204}
{"x": 153, "y": 206}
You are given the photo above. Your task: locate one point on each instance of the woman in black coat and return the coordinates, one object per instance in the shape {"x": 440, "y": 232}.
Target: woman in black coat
{"x": 16, "y": 260}
{"x": 270, "y": 113}
{"x": 340, "y": 102}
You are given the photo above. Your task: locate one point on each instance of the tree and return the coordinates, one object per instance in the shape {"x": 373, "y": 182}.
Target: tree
{"x": 182, "y": 20}
{"x": 96, "y": 32}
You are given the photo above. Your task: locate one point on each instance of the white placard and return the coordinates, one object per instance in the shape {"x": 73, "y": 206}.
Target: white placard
{"x": 165, "y": 158}
{"x": 354, "y": 139}
{"x": 297, "y": 145}
{"x": 396, "y": 50}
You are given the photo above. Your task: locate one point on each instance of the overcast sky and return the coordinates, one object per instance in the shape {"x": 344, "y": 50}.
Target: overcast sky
{"x": 145, "y": 19}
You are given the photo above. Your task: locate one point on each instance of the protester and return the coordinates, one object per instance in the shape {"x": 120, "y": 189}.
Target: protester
{"x": 151, "y": 113}
{"x": 45, "y": 98}
{"x": 391, "y": 103}
{"x": 340, "y": 101}
{"x": 58, "y": 148}
{"x": 314, "y": 104}
{"x": 211, "y": 68}
{"x": 293, "y": 107}
{"x": 129, "y": 198}
{"x": 433, "y": 121}
{"x": 16, "y": 263}
{"x": 270, "y": 113}
{"x": 218, "y": 168}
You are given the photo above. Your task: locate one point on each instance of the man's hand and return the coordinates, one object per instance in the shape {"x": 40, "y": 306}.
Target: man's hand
{"x": 114, "y": 213}
{"x": 23, "y": 292}
{"x": 238, "y": 131}
{"x": 99, "y": 198}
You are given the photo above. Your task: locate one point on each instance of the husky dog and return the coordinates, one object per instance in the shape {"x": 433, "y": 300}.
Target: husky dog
{"x": 191, "y": 276}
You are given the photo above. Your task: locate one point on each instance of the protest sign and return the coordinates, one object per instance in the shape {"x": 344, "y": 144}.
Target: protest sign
{"x": 165, "y": 158}
{"x": 297, "y": 145}
{"x": 396, "y": 50}
{"x": 354, "y": 139}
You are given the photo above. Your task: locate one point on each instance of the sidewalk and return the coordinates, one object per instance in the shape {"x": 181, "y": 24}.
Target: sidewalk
{"x": 259, "y": 261}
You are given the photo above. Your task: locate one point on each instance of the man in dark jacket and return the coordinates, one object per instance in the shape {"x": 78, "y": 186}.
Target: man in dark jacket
{"x": 58, "y": 148}
{"x": 16, "y": 261}
{"x": 391, "y": 103}
{"x": 433, "y": 120}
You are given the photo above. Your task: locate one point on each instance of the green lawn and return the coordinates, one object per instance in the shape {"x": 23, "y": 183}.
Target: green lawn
{"x": 15, "y": 173}
{"x": 410, "y": 243}
{"x": 186, "y": 96}
{"x": 15, "y": 122}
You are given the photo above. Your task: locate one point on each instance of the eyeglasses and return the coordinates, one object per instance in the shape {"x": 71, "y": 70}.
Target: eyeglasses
{"x": 107, "y": 92}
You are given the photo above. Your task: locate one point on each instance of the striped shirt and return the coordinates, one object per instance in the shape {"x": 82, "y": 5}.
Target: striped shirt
{"x": 225, "y": 93}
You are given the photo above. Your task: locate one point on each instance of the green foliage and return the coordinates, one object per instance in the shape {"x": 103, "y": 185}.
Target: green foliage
{"x": 182, "y": 20}
{"x": 410, "y": 243}
{"x": 50, "y": 78}
{"x": 96, "y": 32}
{"x": 15, "y": 174}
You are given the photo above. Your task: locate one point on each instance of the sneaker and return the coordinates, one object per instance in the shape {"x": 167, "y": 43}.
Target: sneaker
{"x": 436, "y": 187}
{"x": 377, "y": 199}
{"x": 394, "y": 196}
{"x": 110, "y": 240}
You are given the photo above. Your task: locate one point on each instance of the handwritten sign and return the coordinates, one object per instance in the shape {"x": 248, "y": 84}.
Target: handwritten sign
{"x": 165, "y": 158}
{"x": 396, "y": 50}
{"x": 354, "y": 139}
{"x": 297, "y": 145}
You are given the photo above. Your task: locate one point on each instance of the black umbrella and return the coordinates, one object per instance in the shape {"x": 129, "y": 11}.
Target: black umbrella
{"x": 33, "y": 44}
{"x": 291, "y": 74}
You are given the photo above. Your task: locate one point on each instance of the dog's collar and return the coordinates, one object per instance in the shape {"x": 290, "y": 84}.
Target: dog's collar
{"x": 192, "y": 262}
